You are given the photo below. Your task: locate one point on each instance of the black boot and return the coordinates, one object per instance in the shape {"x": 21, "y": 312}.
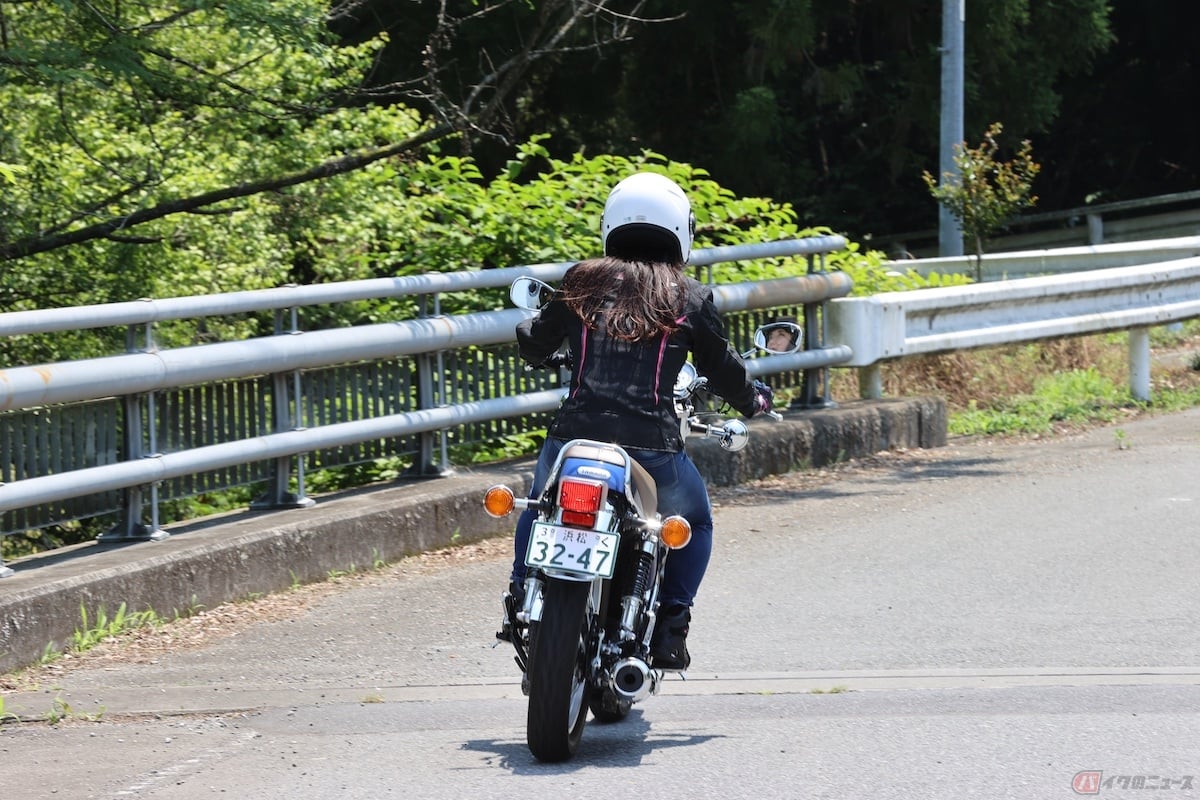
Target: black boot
{"x": 512, "y": 600}
{"x": 668, "y": 646}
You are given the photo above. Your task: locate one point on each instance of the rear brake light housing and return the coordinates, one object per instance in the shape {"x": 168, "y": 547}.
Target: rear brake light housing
{"x": 580, "y": 501}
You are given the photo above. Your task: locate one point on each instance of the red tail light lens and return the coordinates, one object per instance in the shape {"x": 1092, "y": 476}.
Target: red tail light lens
{"x": 577, "y": 495}
{"x": 580, "y": 501}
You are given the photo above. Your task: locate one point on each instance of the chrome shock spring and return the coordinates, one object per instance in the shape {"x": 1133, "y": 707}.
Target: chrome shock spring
{"x": 631, "y": 604}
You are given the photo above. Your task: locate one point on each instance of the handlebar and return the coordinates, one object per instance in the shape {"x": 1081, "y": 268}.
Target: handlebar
{"x": 554, "y": 361}
{"x": 731, "y": 434}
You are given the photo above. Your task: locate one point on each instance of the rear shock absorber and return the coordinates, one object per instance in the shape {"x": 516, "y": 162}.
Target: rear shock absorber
{"x": 631, "y": 604}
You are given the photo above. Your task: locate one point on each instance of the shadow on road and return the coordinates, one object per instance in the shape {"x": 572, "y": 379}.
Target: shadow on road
{"x": 619, "y": 744}
{"x": 860, "y": 478}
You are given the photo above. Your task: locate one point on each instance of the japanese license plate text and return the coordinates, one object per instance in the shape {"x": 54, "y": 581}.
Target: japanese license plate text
{"x": 587, "y": 552}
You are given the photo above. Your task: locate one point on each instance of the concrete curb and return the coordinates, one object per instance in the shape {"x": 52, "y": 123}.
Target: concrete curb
{"x": 233, "y": 556}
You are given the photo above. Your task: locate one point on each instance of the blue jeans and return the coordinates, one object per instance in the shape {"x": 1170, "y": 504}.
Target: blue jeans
{"x": 681, "y": 491}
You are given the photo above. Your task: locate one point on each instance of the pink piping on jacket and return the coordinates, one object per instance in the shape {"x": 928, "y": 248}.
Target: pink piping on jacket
{"x": 662, "y": 353}
{"x": 583, "y": 346}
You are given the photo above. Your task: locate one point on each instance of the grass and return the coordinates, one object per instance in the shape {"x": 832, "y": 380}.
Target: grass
{"x": 101, "y": 628}
{"x": 5, "y": 715}
{"x": 1074, "y": 397}
{"x": 1046, "y": 387}
{"x": 95, "y": 630}
{"x": 104, "y": 628}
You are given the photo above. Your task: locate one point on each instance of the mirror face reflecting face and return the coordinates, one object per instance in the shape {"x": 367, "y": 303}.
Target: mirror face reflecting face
{"x": 780, "y": 337}
{"x": 780, "y": 340}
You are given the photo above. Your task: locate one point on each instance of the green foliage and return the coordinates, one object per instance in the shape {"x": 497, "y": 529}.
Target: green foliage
{"x": 828, "y": 105}
{"x": 202, "y": 505}
{"x": 5, "y": 715}
{"x": 9, "y": 172}
{"x": 1074, "y": 396}
{"x": 547, "y": 210}
{"x": 515, "y": 445}
{"x": 110, "y": 109}
{"x": 1170, "y": 335}
{"x": 332, "y": 480}
{"x": 103, "y": 628}
{"x": 1177, "y": 398}
{"x": 130, "y": 106}
{"x": 986, "y": 192}
{"x": 873, "y": 274}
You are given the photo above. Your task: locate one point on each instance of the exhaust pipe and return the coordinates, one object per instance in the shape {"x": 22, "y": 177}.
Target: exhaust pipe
{"x": 633, "y": 680}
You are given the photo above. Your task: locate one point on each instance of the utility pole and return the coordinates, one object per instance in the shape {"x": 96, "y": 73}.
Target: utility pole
{"x": 954, "y": 17}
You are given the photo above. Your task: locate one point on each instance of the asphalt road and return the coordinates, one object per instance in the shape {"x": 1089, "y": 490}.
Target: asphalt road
{"x": 983, "y": 620}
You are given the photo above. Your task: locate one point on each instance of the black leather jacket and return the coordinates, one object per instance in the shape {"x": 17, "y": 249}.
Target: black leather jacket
{"x": 622, "y": 392}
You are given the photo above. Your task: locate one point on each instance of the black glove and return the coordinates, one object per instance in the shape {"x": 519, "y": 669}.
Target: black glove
{"x": 556, "y": 360}
{"x": 765, "y": 395}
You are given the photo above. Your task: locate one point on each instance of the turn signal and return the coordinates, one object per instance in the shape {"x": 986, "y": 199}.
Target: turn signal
{"x": 675, "y": 532}
{"x": 498, "y": 502}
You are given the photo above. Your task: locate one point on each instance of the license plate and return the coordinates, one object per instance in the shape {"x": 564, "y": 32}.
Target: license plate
{"x": 585, "y": 552}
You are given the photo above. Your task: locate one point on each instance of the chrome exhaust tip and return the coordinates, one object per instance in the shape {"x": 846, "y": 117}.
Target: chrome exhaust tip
{"x": 633, "y": 680}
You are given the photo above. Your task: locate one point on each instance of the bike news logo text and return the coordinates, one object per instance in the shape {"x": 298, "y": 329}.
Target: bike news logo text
{"x": 1093, "y": 781}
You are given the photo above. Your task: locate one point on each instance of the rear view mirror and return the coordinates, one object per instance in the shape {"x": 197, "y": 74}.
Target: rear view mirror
{"x": 779, "y": 337}
{"x": 734, "y": 435}
{"x": 685, "y": 381}
{"x": 530, "y": 293}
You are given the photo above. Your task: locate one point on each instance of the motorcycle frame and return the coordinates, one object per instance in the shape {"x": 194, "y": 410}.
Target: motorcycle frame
{"x": 634, "y": 523}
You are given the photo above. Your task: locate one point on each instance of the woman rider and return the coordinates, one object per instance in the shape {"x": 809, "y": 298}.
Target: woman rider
{"x": 630, "y": 320}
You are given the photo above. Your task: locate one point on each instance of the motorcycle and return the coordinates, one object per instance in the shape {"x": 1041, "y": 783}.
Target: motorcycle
{"x": 582, "y": 627}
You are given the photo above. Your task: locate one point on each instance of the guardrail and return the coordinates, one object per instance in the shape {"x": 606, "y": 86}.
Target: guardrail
{"x": 1158, "y": 217}
{"x": 865, "y": 332}
{"x": 900, "y": 324}
{"x": 1061, "y": 260}
{"x": 136, "y": 377}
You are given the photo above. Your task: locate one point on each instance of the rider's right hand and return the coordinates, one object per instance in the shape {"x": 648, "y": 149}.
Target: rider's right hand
{"x": 765, "y": 396}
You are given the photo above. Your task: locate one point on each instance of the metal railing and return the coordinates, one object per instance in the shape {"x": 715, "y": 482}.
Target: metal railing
{"x": 256, "y": 402}
{"x": 900, "y": 324}
{"x": 288, "y": 420}
{"x": 1162, "y": 216}
{"x": 1061, "y": 260}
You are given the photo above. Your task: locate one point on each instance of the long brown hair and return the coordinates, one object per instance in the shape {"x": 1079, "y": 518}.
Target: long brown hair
{"x": 638, "y": 299}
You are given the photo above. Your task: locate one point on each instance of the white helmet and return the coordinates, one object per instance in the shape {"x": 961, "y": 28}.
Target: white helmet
{"x": 647, "y": 217}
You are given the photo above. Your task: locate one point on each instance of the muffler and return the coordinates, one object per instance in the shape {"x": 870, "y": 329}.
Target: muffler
{"x": 633, "y": 680}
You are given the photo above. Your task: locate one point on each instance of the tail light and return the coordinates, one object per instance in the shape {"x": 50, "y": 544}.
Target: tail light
{"x": 580, "y": 501}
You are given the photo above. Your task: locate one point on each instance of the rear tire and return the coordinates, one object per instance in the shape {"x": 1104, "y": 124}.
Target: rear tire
{"x": 558, "y": 672}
